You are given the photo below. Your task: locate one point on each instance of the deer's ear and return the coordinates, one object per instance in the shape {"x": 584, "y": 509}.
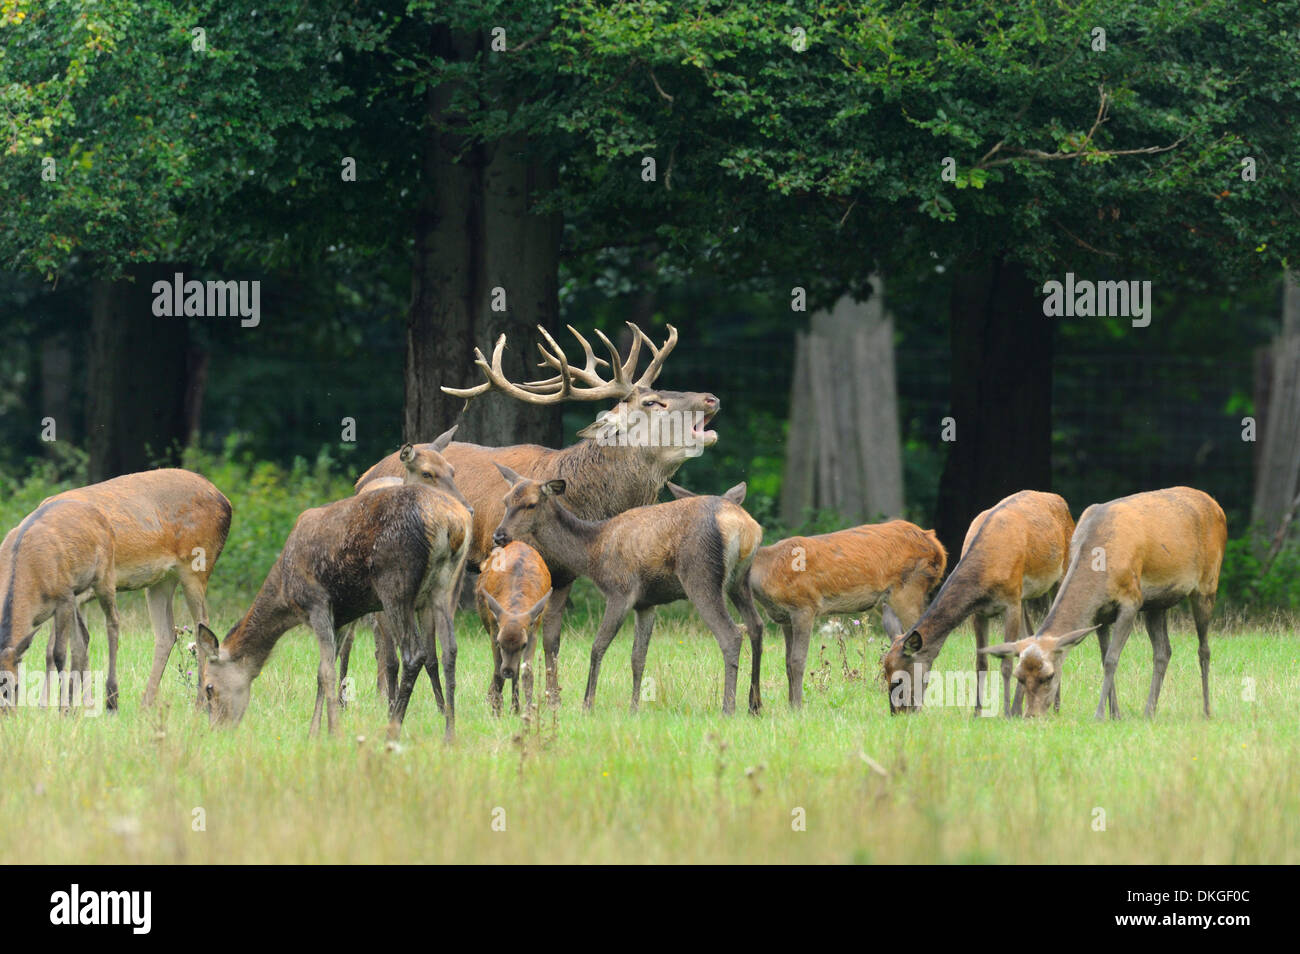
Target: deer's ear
{"x": 678, "y": 491}
{"x": 511, "y": 477}
{"x": 912, "y": 644}
{"x": 206, "y": 642}
{"x": 737, "y": 493}
{"x": 1069, "y": 639}
{"x": 406, "y": 453}
{"x": 892, "y": 624}
{"x": 554, "y": 488}
{"x": 492, "y": 605}
{"x": 539, "y": 607}
{"x": 602, "y": 427}
{"x": 442, "y": 440}
{"x": 1008, "y": 649}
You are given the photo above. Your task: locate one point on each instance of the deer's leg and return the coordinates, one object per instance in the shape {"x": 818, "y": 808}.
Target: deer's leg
{"x": 1123, "y": 626}
{"x": 159, "y": 599}
{"x": 447, "y": 634}
{"x": 107, "y": 597}
{"x": 402, "y": 625}
{"x": 56, "y": 651}
{"x": 616, "y": 607}
{"x": 345, "y": 636}
{"x": 551, "y": 621}
{"x": 322, "y": 621}
{"x": 645, "y": 624}
{"x": 428, "y": 624}
{"x": 497, "y": 682}
{"x": 194, "y": 587}
{"x": 1202, "y": 609}
{"x": 387, "y": 664}
{"x": 81, "y": 657}
{"x": 1103, "y": 645}
{"x": 708, "y": 602}
{"x": 1157, "y": 630}
{"x": 526, "y": 671}
{"x": 742, "y": 597}
{"x": 796, "y": 653}
{"x": 1014, "y": 628}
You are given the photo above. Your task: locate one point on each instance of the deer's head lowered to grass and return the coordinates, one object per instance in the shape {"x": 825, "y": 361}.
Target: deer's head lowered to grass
{"x": 1038, "y": 665}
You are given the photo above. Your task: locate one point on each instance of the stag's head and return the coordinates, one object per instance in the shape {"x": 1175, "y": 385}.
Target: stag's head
{"x": 529, "y": 504}
{"x": 426, "y": 465}
{"x": 225, "y": 683}
{"x": 669, "y": 426}
{"x": 1038, "y": 665}
{"x": 514, "y": 630}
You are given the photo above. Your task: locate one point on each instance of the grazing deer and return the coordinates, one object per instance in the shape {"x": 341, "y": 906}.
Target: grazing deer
{"x": 513, "y": 589}
{"x": 623, "y": 461}
{"x": 1142, "y": 553}
{"x": 699, "y": 549}
{"x": 62, "y": 553}
{"x": 421, "y": 465}
{"x": 1015, "y": 551}
{"x": 893, "y": 566}
{"x": 169, "y": 527}
{"x": 397, "y": 551}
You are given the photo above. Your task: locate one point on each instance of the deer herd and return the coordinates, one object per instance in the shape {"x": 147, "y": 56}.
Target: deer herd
{"x": 529, "y": 521}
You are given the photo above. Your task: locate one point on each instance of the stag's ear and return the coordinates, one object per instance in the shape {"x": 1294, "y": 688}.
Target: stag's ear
{"x": 912, "y": 644}
{"x": 1069, "y": 639}
{"x": 737, "y": 493}
{"x": 554, "y": 488}
{"x": 539, "y": 607}
{"x": 442, "y": 440}
{"x": 511, "y": 477}
{"x": 406, "y": 453}
{"x": 602, "y": 428}
{"x": 893, "y": 625}
{"x": 206, "y": 642}
{"x": 678, "y": 491}
{"x": 1008, "y": 649}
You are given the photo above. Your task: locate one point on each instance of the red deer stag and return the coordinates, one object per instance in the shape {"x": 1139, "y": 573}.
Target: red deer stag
{"x": 395, "y": 551}
{"x": 422, "y": 465}
{"x": 1142, "y": 553}
{"x": 169, "y": 527}
{"x": 1015, "y": 551}
{"x": 513, "y": 589}
{"x": 625, "y": 458}
{"x": 699, "y": 549}
{"x": 61, "y": 554}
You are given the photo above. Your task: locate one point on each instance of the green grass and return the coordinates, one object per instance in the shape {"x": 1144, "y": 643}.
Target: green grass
{"x": 676, "y": 783}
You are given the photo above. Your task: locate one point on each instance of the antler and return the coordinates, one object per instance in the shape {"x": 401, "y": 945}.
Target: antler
{"x": 561, "y": 387}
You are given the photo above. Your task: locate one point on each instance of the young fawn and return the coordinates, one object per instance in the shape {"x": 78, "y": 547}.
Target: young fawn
{"x": 398, "y": 551}
{"x": 61, "y": 554}
{"x": 513, "y": 589}
{"x": 1142, "y": 553}
{"x": 698, "y": 549}
{"x": 1014, "y": 552}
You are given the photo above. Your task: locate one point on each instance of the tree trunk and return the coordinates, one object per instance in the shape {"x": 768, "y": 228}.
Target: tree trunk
{"x": 1278, "y": 474}
{"x": 139, "y": 382}
{"x": 1001, "y": 396}
{"x": 476, "y": 232}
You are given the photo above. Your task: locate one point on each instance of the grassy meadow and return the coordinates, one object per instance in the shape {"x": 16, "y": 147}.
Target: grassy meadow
{"x": 677, "y": 782}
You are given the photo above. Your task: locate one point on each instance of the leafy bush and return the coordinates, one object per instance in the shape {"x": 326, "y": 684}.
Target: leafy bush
{"x": 1241, "y": 584}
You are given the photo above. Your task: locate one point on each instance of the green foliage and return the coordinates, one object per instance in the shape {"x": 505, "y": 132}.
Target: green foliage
{"x": 1242, "y": 585}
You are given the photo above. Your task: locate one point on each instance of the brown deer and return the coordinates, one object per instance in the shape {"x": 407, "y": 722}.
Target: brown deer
{"x": 623, "y": 461}
{"x": 1142, "y": 553}
{"x": 61, "y": 554}
{"x": 397, "y": 551}
{"x": 513, "y": 589}
{"x": 169, "y": 527}
{"x": 421, "y": 465}
{"x": 1015, "y": 551}
{"x": 892, "y": 566}
{"x": 699, "y": 549}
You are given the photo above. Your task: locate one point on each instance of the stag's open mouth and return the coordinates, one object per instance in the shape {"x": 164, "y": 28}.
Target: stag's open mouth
{"x": 700, "y": 434}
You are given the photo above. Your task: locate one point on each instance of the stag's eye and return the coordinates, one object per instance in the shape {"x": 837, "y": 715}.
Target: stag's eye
{"x": 428, "y": 474}
{"x": 651, "y": 402}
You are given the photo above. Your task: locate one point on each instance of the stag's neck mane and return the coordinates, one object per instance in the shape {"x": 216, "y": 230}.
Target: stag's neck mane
{"x": 269, "y": 618}
{"x": 606, "y": 479}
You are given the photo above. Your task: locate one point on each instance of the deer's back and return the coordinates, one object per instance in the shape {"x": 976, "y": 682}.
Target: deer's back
{"x": 1022, "y": 543}
{"x": 159, "y": 517}
{"x": 515, "y": 576}
{"x": 849, "y": 568}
